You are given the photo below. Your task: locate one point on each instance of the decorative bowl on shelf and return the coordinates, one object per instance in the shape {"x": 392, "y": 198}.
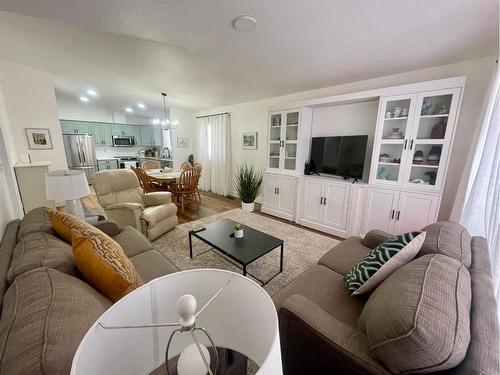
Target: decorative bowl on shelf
{"x": 395, "y": 134}
{"x": 418, "y": 157}
{"x": 385, "y": 158}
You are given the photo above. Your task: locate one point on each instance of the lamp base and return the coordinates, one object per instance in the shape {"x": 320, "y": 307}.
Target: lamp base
{"x": 74, "y": 207}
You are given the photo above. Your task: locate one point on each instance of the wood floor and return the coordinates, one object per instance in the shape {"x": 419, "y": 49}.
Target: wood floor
{"x": 211, "y": 204}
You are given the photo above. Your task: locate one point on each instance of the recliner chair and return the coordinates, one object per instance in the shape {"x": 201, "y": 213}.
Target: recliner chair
{"x": 124, "y": 201}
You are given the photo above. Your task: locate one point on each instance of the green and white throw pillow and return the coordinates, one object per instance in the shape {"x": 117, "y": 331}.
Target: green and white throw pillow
{"x": 382, "y": 261}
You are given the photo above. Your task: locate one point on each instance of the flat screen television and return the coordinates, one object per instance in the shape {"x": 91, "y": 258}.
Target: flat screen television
{"x": 340, "y": 156}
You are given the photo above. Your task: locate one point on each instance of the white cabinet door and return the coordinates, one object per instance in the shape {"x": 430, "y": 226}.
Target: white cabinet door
{"x": 286, "y": 194}
{"x": 271, "y": 185}
{"x": 380, "y": 209}
{"x": 415, "y": 211}
{"x": 335, "y": 203}
{"x": 312, "y": 201}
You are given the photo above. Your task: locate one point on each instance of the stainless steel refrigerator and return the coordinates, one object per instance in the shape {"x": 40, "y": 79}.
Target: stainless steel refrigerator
{"x": 80, "y": 153}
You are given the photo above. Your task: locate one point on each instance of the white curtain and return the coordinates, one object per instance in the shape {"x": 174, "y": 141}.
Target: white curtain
{"x": 481, "y": 210}
{"x": 215, "y": 153}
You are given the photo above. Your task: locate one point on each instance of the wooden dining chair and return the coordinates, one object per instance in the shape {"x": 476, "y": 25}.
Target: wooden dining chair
{"x": 149, "y": 164}
{"x": 146, "y": 182}
{"x": 185, "y": 166}
{"x": 198, "y": 167}
{"x": 185, "y": 189}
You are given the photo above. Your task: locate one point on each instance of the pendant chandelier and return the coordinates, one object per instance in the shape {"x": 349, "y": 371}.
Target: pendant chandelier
{"x": 165, "y": 122}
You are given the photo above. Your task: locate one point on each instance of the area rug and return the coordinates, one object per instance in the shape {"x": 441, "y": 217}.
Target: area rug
{"x": 302, "y": 249}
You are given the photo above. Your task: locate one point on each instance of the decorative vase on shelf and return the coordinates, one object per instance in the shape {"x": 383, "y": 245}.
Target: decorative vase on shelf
{"x": 395, "y": 134}
{"x": 438, "y": 131}
{"x": 427, "y": 107}
{"x": 238, "y": 231}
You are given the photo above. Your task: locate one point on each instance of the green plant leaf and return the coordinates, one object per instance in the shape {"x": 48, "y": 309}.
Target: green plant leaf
{"x": 248, "y": 181}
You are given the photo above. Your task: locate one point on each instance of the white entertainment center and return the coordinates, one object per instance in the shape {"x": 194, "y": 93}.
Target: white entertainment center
{"x": 410, "y": 130}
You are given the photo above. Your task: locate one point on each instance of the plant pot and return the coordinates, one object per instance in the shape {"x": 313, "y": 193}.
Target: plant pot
{"x": 238, "y": 233}
{"x": 248, "y": 207}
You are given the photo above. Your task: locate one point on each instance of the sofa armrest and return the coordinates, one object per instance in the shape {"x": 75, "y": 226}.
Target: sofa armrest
{"x": 157, "y": 198}
{"x": 125, "y": 214}
{"x": 375, "y": 237}
{"x": 107, "y": 226}
{"x": 315, "y": 342}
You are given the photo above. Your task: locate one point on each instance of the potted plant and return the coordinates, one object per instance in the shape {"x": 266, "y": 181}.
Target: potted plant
{"x": 238, "y": 230}
{"x": 248, "y": 183}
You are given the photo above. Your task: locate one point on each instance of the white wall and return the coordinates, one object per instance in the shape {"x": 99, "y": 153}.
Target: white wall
{"x": 30, "y": 102}
{"x": 186, "y": 128}
{"x": 253, "y": 116}
{"x": 348, "y": 119}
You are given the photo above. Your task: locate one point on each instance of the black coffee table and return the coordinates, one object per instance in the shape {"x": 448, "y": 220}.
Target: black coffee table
{"x": 243, "y": 251}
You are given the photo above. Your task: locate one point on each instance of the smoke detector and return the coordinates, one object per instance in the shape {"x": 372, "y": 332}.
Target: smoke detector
{"x": 244, "y": 23}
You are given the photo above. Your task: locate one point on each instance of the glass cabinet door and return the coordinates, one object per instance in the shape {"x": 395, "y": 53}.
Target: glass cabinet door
{"x": 431, "y": 137}
{"x": 393, "y": 138}
{"x": 274, "y": 140}
{"x": 290, "y": 139}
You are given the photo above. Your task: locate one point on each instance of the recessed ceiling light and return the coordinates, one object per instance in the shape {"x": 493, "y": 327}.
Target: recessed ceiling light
{"x": 84, "y": 99}
{"x": 244, "y": 23}
{"x": 129, "y": 110}
{"x": 92, "y": 92}
{"x": 141, "y": 105}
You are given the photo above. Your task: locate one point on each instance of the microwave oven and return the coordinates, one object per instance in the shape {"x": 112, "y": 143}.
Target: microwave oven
{"x": 123, "y": 141}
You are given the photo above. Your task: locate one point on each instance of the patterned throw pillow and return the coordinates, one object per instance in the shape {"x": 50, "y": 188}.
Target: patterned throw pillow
{"x": 382, "y": 261}
{"x": 103, "y": 264}
{"x": 62, "y": 223}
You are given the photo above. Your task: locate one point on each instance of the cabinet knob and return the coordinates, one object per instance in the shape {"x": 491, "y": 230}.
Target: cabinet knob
{"x": 321, "y": 200}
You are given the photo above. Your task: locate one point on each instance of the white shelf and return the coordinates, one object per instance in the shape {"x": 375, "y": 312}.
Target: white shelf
{"x": 429, "y": 141}
{"x": 425, "y": 166}
{"x": 274, "y": 157}
{"x": 293, "y": 125}
{"x": 290, "y": 142}
{"x": 387, "y": 163}
{"x": 395, "y": 118}
{"x": 290, "y": 157}
{"x": 392, "y": 141}
{"x": 434, "y": 116}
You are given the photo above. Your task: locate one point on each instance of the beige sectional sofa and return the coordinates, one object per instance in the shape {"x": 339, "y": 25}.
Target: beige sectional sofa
{"x": 437, "y": 314}
{"x": 46, "y": 308}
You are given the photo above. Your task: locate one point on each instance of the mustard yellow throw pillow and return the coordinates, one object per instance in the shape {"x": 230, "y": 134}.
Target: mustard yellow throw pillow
{"x": 103, "y": 263}
{"x": 62, "y": 223}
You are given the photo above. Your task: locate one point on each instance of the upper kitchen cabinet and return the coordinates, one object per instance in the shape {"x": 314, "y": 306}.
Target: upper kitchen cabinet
{"x": 158, "y": 136}
{"x": 76, "y": 127}
{"x": 289, "y": 132}
{"x": 151, "y": 136}
{"x": 102, "y": 134}
{"x": 122, "y": 129}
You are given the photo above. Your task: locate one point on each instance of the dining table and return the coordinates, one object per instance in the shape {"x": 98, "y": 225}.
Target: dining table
{"x": 162, "y": 176}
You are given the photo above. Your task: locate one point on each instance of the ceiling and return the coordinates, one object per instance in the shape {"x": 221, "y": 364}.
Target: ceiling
{"x": 129, "y": 51}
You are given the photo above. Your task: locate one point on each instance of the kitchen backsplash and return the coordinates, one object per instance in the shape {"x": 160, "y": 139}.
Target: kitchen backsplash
{"x": 102, "y": 152}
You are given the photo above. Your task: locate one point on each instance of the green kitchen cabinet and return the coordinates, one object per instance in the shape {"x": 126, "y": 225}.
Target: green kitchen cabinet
{"x": 147, "y": 136}
{"x": 122, "y": 129}
{"x": 75, "y": 127}
{"x": 68, "y": 127}
{"x": 102, "y": 134}
{"x": 157, "y": 136}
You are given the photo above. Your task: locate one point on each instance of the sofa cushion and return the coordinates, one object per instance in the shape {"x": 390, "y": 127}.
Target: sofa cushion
{"x": 40, "y": 249}
{"x": 103, "y": 263}
{"x": 326, "y": 289}
{"x": 375, "y": 237}
{"x": 155, "y": 214}
{"x": 35, "y": 220}
{"x": 46, "y": 314}
{"x": 152, "y": 264}
{"x": 9, "y": 240}
{"x": 132, "y": 241}
{"x": 345, "y": 255}
{"x": 417, "y": 320}
{"x": 382, "y": 261}
{"x": 449, "y": 239}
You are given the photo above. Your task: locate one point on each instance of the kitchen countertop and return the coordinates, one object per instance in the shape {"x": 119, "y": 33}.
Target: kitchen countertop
{"x": 153, "y": 158}
{"x": 108, "y": 158}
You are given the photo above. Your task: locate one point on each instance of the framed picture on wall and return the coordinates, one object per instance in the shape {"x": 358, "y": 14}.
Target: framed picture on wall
{"x": 38, "y": 138}
{"x": 182, "y": 141}
{"x": 249, "y": 141}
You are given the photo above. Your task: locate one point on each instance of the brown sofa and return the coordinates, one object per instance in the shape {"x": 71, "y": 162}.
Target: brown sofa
{"x": 404, "y": 322}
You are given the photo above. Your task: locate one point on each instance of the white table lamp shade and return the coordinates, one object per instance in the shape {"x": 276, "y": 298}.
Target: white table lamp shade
{"x": 242, "y": 318}
{"x": 66, "y": 185}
